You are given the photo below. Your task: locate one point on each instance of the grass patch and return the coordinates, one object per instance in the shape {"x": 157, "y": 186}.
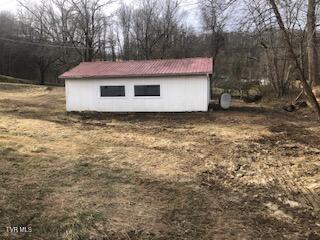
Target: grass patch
{"x": 155, "y": 176}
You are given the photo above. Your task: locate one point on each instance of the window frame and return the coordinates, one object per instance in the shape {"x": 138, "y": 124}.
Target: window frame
{"x": 146, "y": 96}
{"x": 108, "y": 97}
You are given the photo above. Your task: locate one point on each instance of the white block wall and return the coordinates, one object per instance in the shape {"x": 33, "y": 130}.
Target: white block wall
{"x": 177, "y": 94}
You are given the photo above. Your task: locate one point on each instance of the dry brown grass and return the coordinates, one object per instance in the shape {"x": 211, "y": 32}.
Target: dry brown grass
{"x": 248, "y": 173}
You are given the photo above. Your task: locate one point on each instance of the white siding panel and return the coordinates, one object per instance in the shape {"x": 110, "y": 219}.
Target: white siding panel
{"x": 178, "y": 94}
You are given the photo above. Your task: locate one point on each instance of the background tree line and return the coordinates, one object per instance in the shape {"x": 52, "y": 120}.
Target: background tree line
{"x": 47, "y": 37}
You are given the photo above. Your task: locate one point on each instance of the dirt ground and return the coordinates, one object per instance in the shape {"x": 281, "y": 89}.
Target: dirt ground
{"x": 252, "y": 172}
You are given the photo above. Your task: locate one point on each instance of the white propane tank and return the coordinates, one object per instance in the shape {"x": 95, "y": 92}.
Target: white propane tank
{"x": 225, "y": 101}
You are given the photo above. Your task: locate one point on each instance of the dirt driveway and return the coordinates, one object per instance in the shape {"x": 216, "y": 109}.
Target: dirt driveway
{"x": 249, "y": 173}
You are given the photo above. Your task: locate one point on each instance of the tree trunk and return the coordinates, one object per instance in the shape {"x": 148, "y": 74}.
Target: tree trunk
{"x": 213, "y": 66}
{"x": 307, "y": 88}
{"x": 113, "y": 53}
{"x": 42, "y": 76}
{"x": 311, "y": 44}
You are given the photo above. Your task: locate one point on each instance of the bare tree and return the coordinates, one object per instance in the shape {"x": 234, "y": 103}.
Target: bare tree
{"x": 214, "y": 20}
{"x": 170, "y": 19}
{"x": 278, "y": 61}
{"x": 307, "y": 88}
{"x": 279, "y": 68}
{"x": 78, "y": 23}
{"x": 35, "y": 28}
{"x": 90, "y": 23}
{"x": 214, "y": 16}
{"x": 124, "y": 15}
{"x": 311, "y": 44}
{"x": 147, "y": 29}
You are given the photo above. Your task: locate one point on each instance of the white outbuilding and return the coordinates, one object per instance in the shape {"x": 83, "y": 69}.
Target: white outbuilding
{"x": 174, "y": 85}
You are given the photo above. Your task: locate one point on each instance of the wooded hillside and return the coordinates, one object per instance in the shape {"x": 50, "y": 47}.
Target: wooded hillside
{"x": 46, "y": 38}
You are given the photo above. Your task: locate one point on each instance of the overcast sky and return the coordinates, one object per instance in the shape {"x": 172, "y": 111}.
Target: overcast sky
{"x": 9, "y": 5}
{"x": 188, "y": 6}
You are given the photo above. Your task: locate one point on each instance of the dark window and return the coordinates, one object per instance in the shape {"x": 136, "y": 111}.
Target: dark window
{"x": 112, "y": 91}
{"x": 146, "y": 90}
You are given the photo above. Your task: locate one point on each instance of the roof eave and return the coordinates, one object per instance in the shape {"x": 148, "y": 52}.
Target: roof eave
{"x": 134, "y": 76}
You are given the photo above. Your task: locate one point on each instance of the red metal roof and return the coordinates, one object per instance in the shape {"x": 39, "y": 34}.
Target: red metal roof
{"x": 166, "y": 67}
